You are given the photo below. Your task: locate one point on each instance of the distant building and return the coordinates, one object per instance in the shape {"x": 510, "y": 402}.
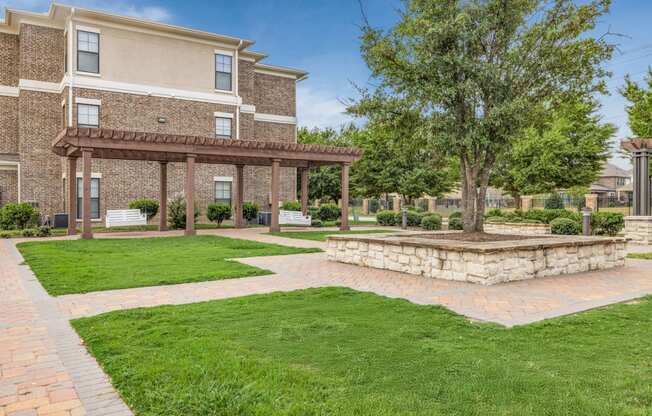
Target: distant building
{"x": 613, "y": 181}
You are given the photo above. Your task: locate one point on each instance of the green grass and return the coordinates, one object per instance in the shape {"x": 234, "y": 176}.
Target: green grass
{"x": 80, "y": 266}
{"x": 335, "y": 351}
{"x": 642, "y": 256}
{"x": 321, "y": 235}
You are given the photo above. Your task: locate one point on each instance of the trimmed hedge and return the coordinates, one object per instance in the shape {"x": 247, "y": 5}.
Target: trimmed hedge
{"x": 250, "y": 211}
{"x": 565, "y": 226}
{"x": 147, "y": 206}
{"x": 217, "y": 213}
{"x": 18, "y": 216}
{"x": 431, "y": 222}
{"x": 607, "y": 223}
{"x": 328, "y": 212}
{"x": 455, "y": 223}
{"x": 291, "y": 206}
{"x": 386, "y": 217}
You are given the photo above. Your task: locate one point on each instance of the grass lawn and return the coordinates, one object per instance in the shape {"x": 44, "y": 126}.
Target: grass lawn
{"x": 56, "y": 232}
{"x": 642, "y": 256}
{"x": 335, "y": 351}
{"x": 321, "y": 235}
{"x": 80, "y": 266}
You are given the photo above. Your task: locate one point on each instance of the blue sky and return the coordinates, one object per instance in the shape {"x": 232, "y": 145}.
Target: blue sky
{"x": 321, "y": 36}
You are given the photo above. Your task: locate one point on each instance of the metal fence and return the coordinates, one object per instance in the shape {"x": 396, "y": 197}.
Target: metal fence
{"x": 612, "y": 203}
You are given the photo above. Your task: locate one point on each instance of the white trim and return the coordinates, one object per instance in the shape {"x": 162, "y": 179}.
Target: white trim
{"x": 224, "y": 52}
{"x": 246, "y": 58}
{"x": 95, "y": 175}
{"x": 8, "y": 91}
{"x": 248, "y": 108}
{"x": 7, "y": 163}
{"x": 273, "y": 118}
{"x": 41, "y": 86}
{"x": 223, "y": 115}
{"x": 63, "y": 102}
{"x": 90, "y": 101}
{"x": 273, "y": 73}
{"x": 222, "y": 178}
{"x": 88, "y": 74}
{"x": 87, "y": 29}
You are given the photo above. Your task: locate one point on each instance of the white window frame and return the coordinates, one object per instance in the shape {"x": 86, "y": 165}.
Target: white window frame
{"x": 224, "y": 136}
{"x": 92, "y": 31}
{"x": 230, "y": 54}
{"x": 81, "y": 104}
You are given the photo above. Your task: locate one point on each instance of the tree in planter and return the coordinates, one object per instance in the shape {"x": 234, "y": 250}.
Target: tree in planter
{"x": 482, "y": 71}
{"x": 177, "y": 213}
{"x": 217, "y": 213}
{"x": 147, "y": 206}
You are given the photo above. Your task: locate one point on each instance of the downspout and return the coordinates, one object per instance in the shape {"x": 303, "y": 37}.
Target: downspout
{"x": 18, "y": 174}
{"x": 237, "y": 91}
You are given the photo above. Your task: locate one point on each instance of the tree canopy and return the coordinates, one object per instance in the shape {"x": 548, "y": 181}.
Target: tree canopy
{"x": 640, "y": 109}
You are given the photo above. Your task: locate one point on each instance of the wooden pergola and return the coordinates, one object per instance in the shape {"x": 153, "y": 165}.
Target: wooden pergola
{"x": 641, "y": 149}
{"x": 89, "y": 143}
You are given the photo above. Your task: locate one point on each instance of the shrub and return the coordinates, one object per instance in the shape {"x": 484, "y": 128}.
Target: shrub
{"x": 546, "y": 216}
{"x": 5, "y": 234}
{"x": 495, "y": 220}
{"x": 291, "y": 206}
{"x": 455, "y": 223}
{"x": 328, "y": 212}
{"x": 374, "y": 205}
{"x": 313, "y": 212}
{"x": 43, "y": 231}
{"x": 250, "y": 211}
{"x": 177, "y": 213}
{"x": 526, "y": 221}
{"x": 494, "y": 212}
{"x": 386, "y": 218}
{"x": 413, "y": 218}
{"x": 431, "y": 222}
{"x": 565, "y": 226}
{"x": 147, "y": 206}
{"x": 217, "y": 213}
{"x": 316, "y": 223}
{"x": 18, "y": 216}
{"x": 554, "y": 201}
{"x": 456, "y": 214}
{"x": 607, "y": 223}
{"x": 28, "y": 232}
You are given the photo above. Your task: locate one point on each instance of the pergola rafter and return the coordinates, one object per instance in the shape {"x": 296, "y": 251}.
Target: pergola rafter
{"x": 89, "y": 143}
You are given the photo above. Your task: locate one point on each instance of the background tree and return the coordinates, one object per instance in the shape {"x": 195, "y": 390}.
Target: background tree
{"x": 480, "y": 70}
{"x": 639, "y": 111}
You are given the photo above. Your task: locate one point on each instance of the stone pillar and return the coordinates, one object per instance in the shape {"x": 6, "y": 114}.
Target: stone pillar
{"x": 365, "y": 206}
{"x": 239, "y": 196}
{"x": 317, "y": 202}
{"x": 591, "y": 201}
{"x": 344, "y": 220}
{"x": 276, "y": 185}
{"x": 190, "y": 195}
{"x": 638, "y": 229}
{"x": 432, "y": 204}
{"x": 642, "y": 183}
{"x": 87, "y": 230}
{"x": 72, "y": 195}
{"x": 304, "y": 190}
{"x": 163, "y": 198}
{"x": 397, "y": 204}
{"x": 526, "y": 203}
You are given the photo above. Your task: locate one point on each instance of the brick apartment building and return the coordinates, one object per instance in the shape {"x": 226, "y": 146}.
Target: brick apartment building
{"x": 78, "y": 67}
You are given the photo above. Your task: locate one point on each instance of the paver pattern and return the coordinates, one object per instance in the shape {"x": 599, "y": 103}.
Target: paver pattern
{"x": 45, "y": 369}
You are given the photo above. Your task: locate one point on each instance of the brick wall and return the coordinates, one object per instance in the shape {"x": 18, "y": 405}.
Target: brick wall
{"x": 8, "y": 125}
{"x": 275, "y": 95}
{"x": 41, "y": 56}
{"x": 8, "y": 59}
{"x": 8, "y": 186}
{"x": 246, "y": 81}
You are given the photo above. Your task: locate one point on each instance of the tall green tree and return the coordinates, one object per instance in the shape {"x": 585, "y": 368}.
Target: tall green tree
{"x": 566, "y": 150}
{"x": 481, "y": 69}
{"x": 639, "y": 110}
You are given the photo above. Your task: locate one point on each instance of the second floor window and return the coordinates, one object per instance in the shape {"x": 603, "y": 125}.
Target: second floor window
{"x": 223, "y": 69}
{"x": 222, "y": 128}
{"x": 88, "y": 52}
{"x": 88, "y": 115}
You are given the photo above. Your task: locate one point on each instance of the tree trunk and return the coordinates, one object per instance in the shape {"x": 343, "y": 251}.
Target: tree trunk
{"x": 518, "y": 203}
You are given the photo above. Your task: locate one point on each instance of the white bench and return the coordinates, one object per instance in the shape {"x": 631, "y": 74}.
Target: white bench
{"x": 125, "y": 217}
{"x": 293, "y": 218}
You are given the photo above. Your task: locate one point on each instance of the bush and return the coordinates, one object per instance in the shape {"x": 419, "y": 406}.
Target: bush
{"x": 43, "y": 231}
{"x": 431, "y": 222}
{"x": 250, "y": 211}
{"x": 18, "y": 216}
{"x": 316, "y": 223}
{"x": 291, "y": 206}
{"x": 313, "y": 212}
{"x": 455, "y": 223}
{"x": 386, "y": 218}
{"x": 28, "y": 232}
{"x": 217, "y": 213}
{"x": 607, "y": 223}
{"x": 456, "y": 214}
{"x": 5, "y": 234}
{"x": 494, "y": 212}
{"x": 413, "y": 218}
{"x": 495, "y": 220}
{"x": 565, "y": 226}
{"x": 177, "y": 213}
{"x": 546, "y": 216}
{"x": 328, "y": 212}
{"x": 147, "y": 206}
{"x": 554, "y": 201}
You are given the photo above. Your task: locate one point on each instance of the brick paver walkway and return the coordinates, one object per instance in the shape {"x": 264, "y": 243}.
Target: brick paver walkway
{"x": 45, "y": 370}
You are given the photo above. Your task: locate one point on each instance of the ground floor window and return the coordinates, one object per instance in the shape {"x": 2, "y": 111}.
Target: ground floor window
{"x": 95, "y": 198}
{"x": 223, "y": 192}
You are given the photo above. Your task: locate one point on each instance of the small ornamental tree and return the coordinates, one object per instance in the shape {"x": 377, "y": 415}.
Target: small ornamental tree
{"x": 177, "y": 213}
{"x": 18, "y": 216}
{"x": 217, "y": 213}
{"x": 147, "y": 206}
{"x": 250, "y": 211}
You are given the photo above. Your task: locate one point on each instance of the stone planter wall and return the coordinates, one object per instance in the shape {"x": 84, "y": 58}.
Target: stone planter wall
{"x": 517, "y": 228}
{"x": 639, "y": 229}
{"x": 480, "y": 263}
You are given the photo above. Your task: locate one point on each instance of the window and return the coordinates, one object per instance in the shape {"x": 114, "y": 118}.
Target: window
{"x": 223, "y": 72}
{"x": 223, "y": 192}
{"x": 88, "y": 52}
{"x": 222, "y": 128}
{"x": 95, "y": 198}
{"x": 88, "y": 115}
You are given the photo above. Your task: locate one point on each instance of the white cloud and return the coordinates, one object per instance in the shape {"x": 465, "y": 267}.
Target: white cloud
{"x": 122, "y": 7}
{"x": 316, "y": 108}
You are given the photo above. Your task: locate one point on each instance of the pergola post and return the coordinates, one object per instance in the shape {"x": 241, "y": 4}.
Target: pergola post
{"x": 344, "y": 221}
{"x": 642, "y": 183}
{"x": 163, "y": 198}
{"x": 275, "y": 189}
{"x": 190, "y": 195}
{"x": 239, "y": 196}
{"x": 304, "y": 190}
{"x": 72, "y": 195}
{"x": 87, "y": 230}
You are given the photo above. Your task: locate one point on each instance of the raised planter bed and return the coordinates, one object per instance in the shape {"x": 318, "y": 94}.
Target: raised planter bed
{"x": 443, "y": 255}
{"x": 517, "y": 228}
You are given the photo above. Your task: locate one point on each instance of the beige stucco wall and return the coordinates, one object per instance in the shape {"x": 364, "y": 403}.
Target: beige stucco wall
{"x": 141, "y": 58}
